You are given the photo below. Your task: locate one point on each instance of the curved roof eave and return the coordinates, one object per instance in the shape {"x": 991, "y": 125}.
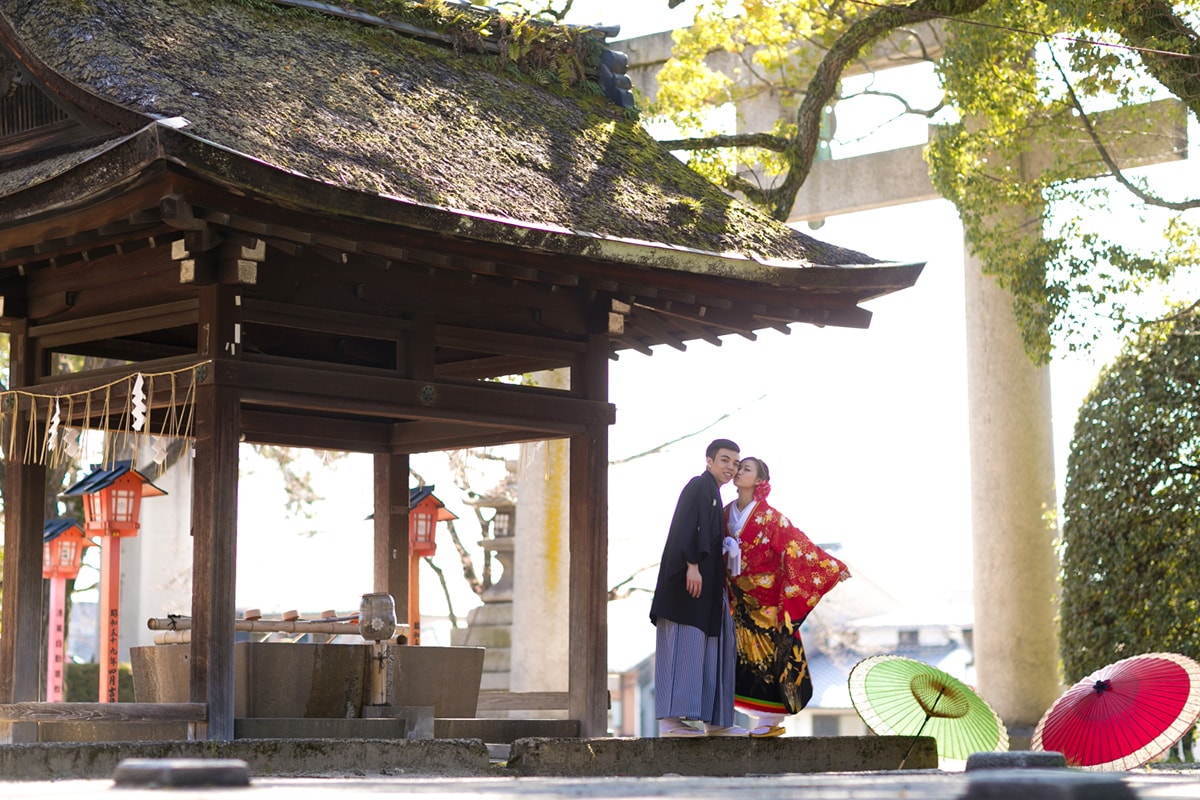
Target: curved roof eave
{"x": 119, "y": 162}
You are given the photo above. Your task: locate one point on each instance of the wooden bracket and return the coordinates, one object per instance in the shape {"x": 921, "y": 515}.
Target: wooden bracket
{"x": 176, "y": 211}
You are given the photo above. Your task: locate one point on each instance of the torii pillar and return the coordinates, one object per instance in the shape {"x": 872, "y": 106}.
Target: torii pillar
{"x": 1012, "y": 507}
{"x": 541, "y": 564}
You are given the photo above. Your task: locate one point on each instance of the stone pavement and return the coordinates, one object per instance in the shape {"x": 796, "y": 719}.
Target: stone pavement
{"x": 924, "y": 785}
{"x": 562, "y": 769}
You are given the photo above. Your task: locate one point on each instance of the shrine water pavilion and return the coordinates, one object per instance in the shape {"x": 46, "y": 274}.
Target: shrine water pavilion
{"x": 339, "y": 226}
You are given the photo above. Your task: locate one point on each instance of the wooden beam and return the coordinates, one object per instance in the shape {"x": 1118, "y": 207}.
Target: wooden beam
{"x": 522, "y": 701}
{"x": 652, "y": 325}
{"x": 502, "y": 343}
{"x": 313, "y": 431}
{"x": 75, "y": 382}
{"x": 103, "y": 712}
{"x": 286, "y": 315}
{"x": 122, "y": 323}
{"x": 332, "y": 391}
{"x": 424, "y": 436}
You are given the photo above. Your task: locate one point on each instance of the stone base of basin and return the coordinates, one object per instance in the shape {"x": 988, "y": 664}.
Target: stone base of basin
{"x": 318, "y": 680}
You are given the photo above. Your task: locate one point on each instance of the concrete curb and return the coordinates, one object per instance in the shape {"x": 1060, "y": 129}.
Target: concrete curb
{"x": 265, "y": 757}
{"x": 540, "y": 757}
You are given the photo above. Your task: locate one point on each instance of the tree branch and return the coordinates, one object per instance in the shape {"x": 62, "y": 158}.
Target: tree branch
{"x": 617, "y": 592}
{"x": 468, "y": 564}
{"x": 766, "y": 141}
{"x": 665, "y": 445}
{"x": 908, "y": 107}
{"x": 1109, "y": 161}
{"x": 1166, "y": 44}
{"x": 445, "y": 590}
{"x": 1178, "y": 315}
{"x": 824, "y": 84}
{"x": 752, "y": 191}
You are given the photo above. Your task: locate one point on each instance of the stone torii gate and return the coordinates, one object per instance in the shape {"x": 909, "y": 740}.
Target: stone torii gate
{"x": 1012, "y": 454}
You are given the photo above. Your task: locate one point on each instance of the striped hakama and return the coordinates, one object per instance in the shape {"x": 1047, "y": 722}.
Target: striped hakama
{"x": 693, "y": 673}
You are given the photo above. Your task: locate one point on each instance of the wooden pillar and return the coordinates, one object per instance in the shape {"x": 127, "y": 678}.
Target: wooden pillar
{"x": 391, "y": 531}
{"x": 214, "y": 516}
{"x": 56, "y": 646}
{"x": 587, "y": 667}
{"x": 110, "y": 613}
{"x": 25, "y": 501}
{"x": 413, "y": 609}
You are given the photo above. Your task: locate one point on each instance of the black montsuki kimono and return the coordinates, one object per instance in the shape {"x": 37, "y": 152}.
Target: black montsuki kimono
{"x": 697, "y": 530}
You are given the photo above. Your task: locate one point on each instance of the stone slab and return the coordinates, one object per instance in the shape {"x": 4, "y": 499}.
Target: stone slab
{"x": 304, "y": 728}
{"x": 504, "y": 731}
{"x": 1047, "y": 784}
{"x": 718, "y": 756}
{"x": 1019, "y": 759}
{"x": 419, "y": 719}
{"x": 178, "y": 772}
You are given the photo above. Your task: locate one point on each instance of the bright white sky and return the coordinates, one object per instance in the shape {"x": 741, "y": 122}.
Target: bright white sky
{"x": 865, "y": 432}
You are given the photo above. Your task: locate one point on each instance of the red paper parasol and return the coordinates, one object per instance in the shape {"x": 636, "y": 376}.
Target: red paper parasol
{"x": 1123, "y": 715}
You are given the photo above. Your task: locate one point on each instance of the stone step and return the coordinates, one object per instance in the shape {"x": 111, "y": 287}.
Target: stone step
{"x": 725, "y": 756}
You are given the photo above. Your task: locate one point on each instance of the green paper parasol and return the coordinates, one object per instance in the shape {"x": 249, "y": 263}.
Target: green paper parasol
{"x": 898, "y": 696}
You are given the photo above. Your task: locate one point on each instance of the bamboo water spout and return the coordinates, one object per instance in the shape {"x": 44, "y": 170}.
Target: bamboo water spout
{"x": 333, "y": 627}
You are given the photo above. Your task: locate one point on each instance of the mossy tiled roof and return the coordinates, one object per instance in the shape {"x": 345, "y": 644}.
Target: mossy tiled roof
{"x": 379, "y": 111}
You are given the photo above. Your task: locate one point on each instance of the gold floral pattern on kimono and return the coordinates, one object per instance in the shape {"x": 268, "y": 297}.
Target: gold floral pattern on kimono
{"x": 784, "y": 575}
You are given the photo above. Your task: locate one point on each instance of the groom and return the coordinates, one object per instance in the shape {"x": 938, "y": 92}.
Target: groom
{"x": 694, "y": 646}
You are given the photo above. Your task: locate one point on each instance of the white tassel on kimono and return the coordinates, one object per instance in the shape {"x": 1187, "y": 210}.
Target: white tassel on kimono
{"x": 733, "y": 555}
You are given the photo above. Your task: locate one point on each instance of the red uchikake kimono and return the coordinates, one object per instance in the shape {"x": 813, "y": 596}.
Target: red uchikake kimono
{"x": 784, "y": 575}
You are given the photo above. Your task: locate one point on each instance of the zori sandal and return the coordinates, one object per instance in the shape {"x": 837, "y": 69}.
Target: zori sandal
{"x": 766, "y": 731}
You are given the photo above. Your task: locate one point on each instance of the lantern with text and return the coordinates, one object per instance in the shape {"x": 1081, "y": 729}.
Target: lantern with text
{"x": 424, "y": 513}
{"x": 112, "y": 501}
{"x": 63, "y": 543}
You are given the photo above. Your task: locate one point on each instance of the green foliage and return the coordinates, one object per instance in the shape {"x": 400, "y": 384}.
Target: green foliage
{"x": 1131, "y": 568}
{"x": 1017, "y": 76}
{"x": 82, "y": 683}
{"x": 1016, "y": 93}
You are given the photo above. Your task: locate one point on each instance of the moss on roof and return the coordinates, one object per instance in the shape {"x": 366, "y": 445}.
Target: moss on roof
{"x": 379, "y": 111}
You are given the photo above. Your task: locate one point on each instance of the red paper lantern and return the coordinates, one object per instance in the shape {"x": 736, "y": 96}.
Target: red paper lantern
{"x": 424, "y": 513}
{"x": 63, "y": 544}
{"x": 112, "y": 499}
